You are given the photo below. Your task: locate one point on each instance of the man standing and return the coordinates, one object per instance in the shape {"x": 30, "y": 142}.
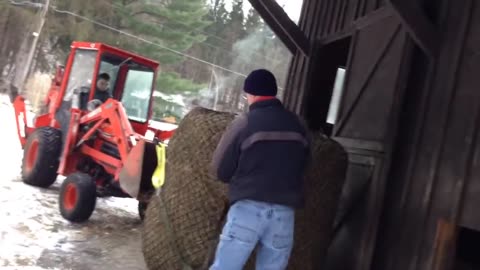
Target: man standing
{"x": 262, "y": 156}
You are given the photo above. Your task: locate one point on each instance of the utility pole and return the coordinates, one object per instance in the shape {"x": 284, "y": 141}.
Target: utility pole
{"x": 36, "y": 36}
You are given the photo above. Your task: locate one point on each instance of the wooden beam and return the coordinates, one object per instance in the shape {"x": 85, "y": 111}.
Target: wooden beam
{"x": 417, "y": 24}
{"x": 290, "y": 34}
{"x": 445, "y": 245}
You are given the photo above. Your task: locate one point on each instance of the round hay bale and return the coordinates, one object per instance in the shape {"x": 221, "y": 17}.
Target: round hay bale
{"x": 323, "y": 184}
{"x": 191, "y": 198}
{"x": 183, "y": 224}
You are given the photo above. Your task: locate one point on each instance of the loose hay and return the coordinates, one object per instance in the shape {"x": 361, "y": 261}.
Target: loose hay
{"x": 183, "y": 224}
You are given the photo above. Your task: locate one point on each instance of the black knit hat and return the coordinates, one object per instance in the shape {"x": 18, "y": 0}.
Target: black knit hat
{"x": 261, "y": 82}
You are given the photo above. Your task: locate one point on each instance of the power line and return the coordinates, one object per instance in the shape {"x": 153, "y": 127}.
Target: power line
{"x": 178, "y": 21}
{"x": 193, "y": 30}
{"x": 148, "y": 41}
{"x": 54, "y": 8}
{"x": 26, "y": 3}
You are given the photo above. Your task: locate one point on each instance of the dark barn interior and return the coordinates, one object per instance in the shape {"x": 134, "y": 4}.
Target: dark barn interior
{"x": 408, "y": 116}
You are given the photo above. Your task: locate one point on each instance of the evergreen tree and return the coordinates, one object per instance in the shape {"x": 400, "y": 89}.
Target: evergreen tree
{"x": 253, "y": 21}
{"x": 235, "y": 25}
{"x": 176, "y": 25}
{"x": 215, "y": 47}
{"x": 204, "y": 29}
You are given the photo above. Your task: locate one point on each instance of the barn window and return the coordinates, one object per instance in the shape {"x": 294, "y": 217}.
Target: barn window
{"x": 326, "y": 84}
{"x": 334, "y": 107}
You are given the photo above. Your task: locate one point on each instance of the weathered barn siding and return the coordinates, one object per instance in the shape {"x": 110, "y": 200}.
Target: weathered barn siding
{"x": 438, "y": 177}
{"x": 321, "y": 19}
{"x": 409, "y": 122}
{"x": 377, "y": 65}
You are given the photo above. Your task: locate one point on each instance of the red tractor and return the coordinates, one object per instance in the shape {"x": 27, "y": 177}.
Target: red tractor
{"x": 101, "y": 147}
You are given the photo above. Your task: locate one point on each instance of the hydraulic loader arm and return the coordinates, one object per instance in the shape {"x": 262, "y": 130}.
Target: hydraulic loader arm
{"x": 111, "y": 114}
{"x": 137, "y": 164}
{"x": 110, "y": 117}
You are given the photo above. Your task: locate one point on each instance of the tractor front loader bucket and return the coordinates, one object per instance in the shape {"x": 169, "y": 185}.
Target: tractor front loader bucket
{"x": 137, "y": 171}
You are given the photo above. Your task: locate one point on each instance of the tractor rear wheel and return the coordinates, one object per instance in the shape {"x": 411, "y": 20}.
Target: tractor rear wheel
{"x": 78, "y": 197}
{"x": 41, "y": 157}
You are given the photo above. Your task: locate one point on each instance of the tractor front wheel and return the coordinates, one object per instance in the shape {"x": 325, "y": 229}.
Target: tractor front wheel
{"x": 40, "y": 157}
{"x": 77, "y": 197}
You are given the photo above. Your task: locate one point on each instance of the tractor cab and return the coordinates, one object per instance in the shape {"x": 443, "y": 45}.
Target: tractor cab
{"x": 93, "y": 130}
{"x": 131, "y": 80}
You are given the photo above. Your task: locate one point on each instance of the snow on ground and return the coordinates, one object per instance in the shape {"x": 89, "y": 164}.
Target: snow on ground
{"x": 33, "y": 235}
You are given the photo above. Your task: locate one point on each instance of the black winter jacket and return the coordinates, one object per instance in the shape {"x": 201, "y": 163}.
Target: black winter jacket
{"x": 263, "y": 155}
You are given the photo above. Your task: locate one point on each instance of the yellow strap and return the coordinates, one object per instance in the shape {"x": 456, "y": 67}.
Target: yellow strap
{"x": 158, "y": 178}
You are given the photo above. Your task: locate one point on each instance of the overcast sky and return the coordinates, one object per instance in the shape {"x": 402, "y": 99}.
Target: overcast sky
{"x": 292, "y": 7}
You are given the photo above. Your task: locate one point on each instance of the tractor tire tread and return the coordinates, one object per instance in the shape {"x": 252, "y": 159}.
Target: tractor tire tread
{"x": 44, "y": 171}
{"x": 86, "y": 200}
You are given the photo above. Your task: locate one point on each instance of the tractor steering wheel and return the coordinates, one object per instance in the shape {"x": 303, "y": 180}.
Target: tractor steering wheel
{"x": 93, "y": 104}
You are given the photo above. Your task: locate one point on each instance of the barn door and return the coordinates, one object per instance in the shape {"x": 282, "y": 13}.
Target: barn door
{"x": 365, "y": 124}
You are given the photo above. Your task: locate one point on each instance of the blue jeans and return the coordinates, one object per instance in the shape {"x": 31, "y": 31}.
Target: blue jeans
{"x": 250, "y": 223}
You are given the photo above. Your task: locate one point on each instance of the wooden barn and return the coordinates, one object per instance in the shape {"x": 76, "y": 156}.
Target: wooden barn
{"x": 409, "y": 118}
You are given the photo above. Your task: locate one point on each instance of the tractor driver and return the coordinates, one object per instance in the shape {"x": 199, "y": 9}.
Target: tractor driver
{"x": 102, "y": 91}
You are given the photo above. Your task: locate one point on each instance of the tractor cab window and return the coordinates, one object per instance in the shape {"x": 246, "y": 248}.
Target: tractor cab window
{"x": 81, "y": 74}
{"x": 137, "y": 93}
{"x": 111, "y": 64}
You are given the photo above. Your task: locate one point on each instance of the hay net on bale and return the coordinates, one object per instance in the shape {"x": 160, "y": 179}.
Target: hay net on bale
{"x": 183, "y": 223}
{"x": 323, "y": 184}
